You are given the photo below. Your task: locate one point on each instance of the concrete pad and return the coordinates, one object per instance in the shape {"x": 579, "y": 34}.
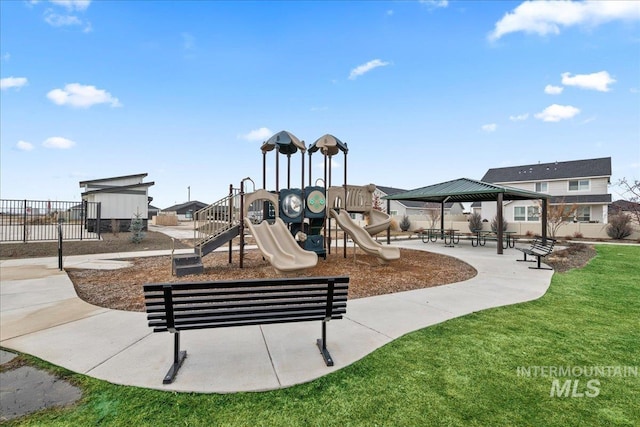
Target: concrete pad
{"x": 43, "y": 316}
{"x": 25, "y": 390}
{"x": 18, "y": 294}
{"x": 6, "y": 357}
{"x": 98, "y": 264}
{"x": 22, "y": 272}
{"x": 458, "y": 300}
{"x": 296, "y": 357}
{"x": 223, "y": 360}
{"x": 83, "y": 344}
{"x": 394, "y": 316}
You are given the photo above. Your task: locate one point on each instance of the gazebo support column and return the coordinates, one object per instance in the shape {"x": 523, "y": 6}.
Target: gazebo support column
{"x": 499, "y": 216}
{"x": 545, "y": 204}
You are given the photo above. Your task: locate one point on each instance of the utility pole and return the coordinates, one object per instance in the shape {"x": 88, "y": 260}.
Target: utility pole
{"x": 188, "y": 193}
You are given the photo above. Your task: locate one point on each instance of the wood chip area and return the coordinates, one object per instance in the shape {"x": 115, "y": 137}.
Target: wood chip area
{"x": 122, "y": 289}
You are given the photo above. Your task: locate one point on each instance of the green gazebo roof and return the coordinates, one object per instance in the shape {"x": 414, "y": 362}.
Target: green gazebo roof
{"x": 465, "y": 190}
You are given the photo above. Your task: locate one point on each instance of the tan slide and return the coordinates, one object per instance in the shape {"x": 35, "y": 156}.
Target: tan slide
{"x": 279, "y": 247}
{"x": 378, "y": 222}
{"x": 363, "y": 239}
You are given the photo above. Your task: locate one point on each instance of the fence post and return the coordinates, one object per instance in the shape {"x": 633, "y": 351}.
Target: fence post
{"x": 60, "y": 246}
{"x": 24, "y": 222}
{"x": 99, "y": 219}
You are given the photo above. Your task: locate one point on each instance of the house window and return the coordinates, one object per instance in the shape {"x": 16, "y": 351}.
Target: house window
{"x": 583, "y": 213}
{"x": 394, "y": 213}
{"x": 579, "y": 185}
{"x": 542, "y": 187}
{"x": 526, "y": 213}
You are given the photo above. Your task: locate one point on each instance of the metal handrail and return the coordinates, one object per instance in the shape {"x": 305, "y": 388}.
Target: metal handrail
{"x": 215, "y": 219}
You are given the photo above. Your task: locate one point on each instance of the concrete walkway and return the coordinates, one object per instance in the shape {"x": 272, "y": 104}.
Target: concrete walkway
{"x": 40, "y": 314}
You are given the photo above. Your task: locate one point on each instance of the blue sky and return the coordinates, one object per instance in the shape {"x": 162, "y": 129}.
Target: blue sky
{"x": 421, "y": 91}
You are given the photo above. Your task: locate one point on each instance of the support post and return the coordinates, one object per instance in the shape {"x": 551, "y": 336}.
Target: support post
{"x": 322, "y": 343}
{"x": 545, "y": 206}
{"x": 60, "y": 246}
{"x": 499, "y": 217}
{"x": 178, "y": 356}
{"x": 389, "y": 227}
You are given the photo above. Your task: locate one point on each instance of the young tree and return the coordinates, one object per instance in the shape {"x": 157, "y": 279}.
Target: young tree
{"x": 475, "y": 222}
{"x": 377, "y": 203}
{"x": 619, "y": 226}
{"x": 631, "y": 193}
{"x": 433, "y": 215}
{"x": 136, "y": 228}
{"x": 405, "y": 224}
{"x": 559, "y": 214}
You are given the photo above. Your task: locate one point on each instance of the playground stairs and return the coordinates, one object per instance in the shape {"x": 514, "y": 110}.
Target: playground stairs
{"x": 187, "y": 264}
{"x": 214, "y": 226}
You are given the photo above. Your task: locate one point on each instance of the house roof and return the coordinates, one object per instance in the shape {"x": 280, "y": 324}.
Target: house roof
{"x": 141, "y": 175}
{"x": 549, "y": 171}
{"x": 624, "y": 206}
{"x": 466, "y": 190}
{"x": 186, "y": 205}
{"x": 121, "y": 189}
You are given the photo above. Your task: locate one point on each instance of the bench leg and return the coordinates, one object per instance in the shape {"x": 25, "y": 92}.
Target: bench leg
{"x": 322, "y": 346}
{"x": 178, "y": 358}
{"x": 538, "y": 267}
{"x": 525, "y": 259}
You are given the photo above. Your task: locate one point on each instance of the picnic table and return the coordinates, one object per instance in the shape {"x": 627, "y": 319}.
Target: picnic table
{"x": 480, "y": 237}
{"x": 449, "y": 236}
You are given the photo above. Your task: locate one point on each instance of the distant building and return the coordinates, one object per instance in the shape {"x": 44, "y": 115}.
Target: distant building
{"x": 408, "y": 207}
{"x": 185, "y": 211}
{"x": 583, "y": 183}
{"x": 121, "y": 199}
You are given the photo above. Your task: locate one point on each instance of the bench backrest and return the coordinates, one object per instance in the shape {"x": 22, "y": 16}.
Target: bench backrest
{"x": 538, "y": 247}
{"x": 201, "y": 305}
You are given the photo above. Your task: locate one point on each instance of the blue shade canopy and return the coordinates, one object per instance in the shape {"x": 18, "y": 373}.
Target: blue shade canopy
{"x": 466, "y": 190}
{"x": 329, "y": 145}
{"x": 285, "y": 142}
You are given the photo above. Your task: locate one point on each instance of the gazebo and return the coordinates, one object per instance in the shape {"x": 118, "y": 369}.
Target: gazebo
{"x": 471, "y": 190}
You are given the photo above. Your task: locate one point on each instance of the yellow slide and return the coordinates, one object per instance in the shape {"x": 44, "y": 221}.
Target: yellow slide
{"x": 279, "y": 247}
{"x": 363, "y": 239}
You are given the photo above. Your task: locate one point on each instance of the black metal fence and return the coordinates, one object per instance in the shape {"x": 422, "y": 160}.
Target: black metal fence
{"x": 38, "y": 220}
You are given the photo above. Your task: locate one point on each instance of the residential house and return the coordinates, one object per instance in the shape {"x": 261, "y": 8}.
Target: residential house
{"x": 185, "y": 211}
{"x": 578, "y": 183}
{"x": 121, "y": 199}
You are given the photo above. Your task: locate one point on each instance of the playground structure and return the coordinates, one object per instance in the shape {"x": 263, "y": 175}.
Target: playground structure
{"x": 291, "y": 226}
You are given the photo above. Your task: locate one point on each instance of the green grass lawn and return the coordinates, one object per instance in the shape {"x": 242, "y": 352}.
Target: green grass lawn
{"x": 462, "y": 372}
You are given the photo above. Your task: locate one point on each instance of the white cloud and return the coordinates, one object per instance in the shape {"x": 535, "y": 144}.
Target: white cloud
{"x": 188, "y": 41}
{"x": 6, "y": 56}
{"x": 390, "y": 12}
{"x": 72, "y": 4}
{"x": 555, "y": 113}
{"x": 519, "y": 117}
{"x": 596, "y": 81}
{"x": 82, "y": 96}
{"x": 24, "y": 146}
{"x": 365, "y": 68}
{"x": 553, "y": 90}
{"x": 491, "y": 127}
{"x": 9, "y": 82}
{"x": 547, "y": 17}
{"x": 259, "y": 134}
{"x": 58, "y": 142}
{"x": 434, "y": 4}
{"x": 56, "y": 20}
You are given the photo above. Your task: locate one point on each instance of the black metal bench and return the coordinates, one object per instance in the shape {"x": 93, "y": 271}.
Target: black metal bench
{"x": 176, "y": 307}
{"x": 540, "y": 248}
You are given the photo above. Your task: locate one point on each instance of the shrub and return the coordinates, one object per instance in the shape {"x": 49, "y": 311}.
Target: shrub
{"x": 475, "y": 222}
{"x": 578, "y": 235}
{"x": 619, "y": 226}
{"x": 529, "y": 233}
{"x": 494, "y": 224}
{"x": 405, "y": 224}
{"x": 115, "y": 227}
{"x": 136, "y": 228}
{"x": 394, "y": 225}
